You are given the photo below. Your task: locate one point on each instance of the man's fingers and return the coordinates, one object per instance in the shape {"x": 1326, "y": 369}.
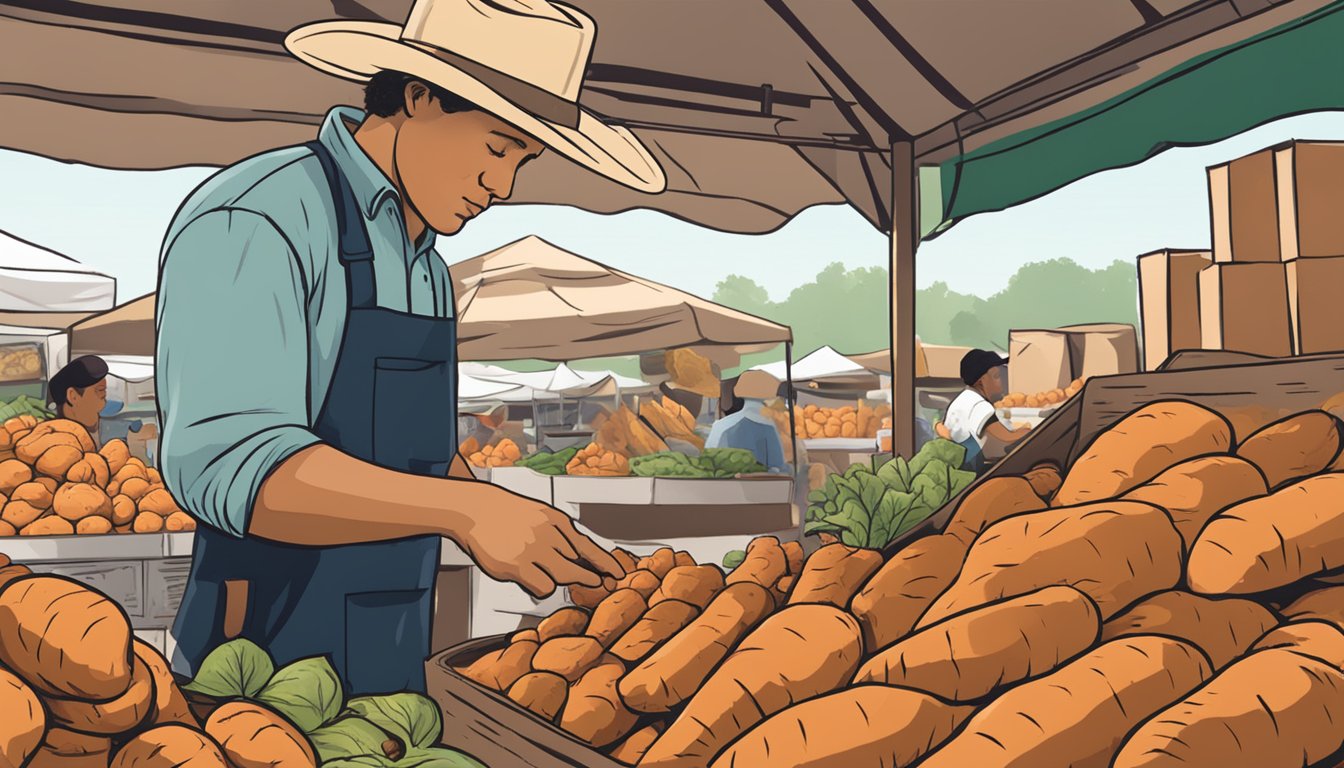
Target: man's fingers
{"x": 534, "y": 580}
{"x": 563, "y": 571}
{"x": 589, "y": 551}
{"x": 562, "y": 545}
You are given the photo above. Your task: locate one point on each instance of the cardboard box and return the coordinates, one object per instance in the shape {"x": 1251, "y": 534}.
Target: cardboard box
{"x": 1245, "y": 217}
{"x": 1039, "y": 361}
{"x": 1169, "y": 302}
{"x": 1244, "y": 308}
{"x": 1310, "y": 182}
{"x": 1315, "y": 288}
{"x": 1102, "y": 349}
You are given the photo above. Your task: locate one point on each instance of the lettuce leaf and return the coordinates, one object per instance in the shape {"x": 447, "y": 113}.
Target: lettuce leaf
{"x": 236, "y": 669}
{"x": 308, "y": 692}
{"x": 412, "y": 718}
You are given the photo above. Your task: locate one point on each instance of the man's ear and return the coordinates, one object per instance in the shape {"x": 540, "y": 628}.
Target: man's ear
{"x": 415, "y": 97}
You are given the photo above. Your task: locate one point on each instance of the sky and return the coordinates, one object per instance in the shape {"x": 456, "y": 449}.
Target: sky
{"x": 113, "y": 222}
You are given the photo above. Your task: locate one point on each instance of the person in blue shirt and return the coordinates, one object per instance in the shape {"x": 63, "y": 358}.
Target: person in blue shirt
{"x": 751, "y": 428}
{"x": 307, "y": 349}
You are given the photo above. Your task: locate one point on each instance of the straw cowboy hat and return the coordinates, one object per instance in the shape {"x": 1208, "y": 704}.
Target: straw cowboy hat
{"x": 756, "y": 385}
{"x": 520, "y": 60}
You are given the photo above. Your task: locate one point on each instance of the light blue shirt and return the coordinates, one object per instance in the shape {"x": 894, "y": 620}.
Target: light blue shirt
{"x": 251, "y": 309}
{"x": 750, "y": 429}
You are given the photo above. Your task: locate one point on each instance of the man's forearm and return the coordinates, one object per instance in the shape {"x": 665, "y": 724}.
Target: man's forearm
{"x": 323, "y": 497}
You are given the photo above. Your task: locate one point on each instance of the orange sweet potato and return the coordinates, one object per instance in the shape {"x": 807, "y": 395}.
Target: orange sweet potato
{"x": 542, "y": 693}
{"x": 116, "y": 453}
{"x": 76, "y": 501}
{"x": 134, "y": 488}
{"x": 22, "y": 719}
{"x": 764, "y": 564}
{"x": 7, "y": 530}
{"x": 122, "y": 714}
{"x": 170, "y": 746}
{"x": 833, "y": 574}
{"x": 179, "y": 521}
{"x": 147, "y": 522}
{"x": 20, "y": 514}
{"x": 64, "y": 427}
{"x": 67, "y": 749}
{"x": 635, "y": 745}
{"x": 160, "y": 502}
{"x": 566, "y": 621}
{"x": 660, "y": 562}
{"x": 93, "y": 526}
{"x": 1193, "y": 491}
{"x": 616, "y": 613}
{"x": 36, "y": 494}
{"x": 659, "y": 623}
{"x": 57, "y": 460}
{"x": 893, "y": 600}
{"x": 525, "y": 634}
{"x": 793, "y": 555}
{"x": 628, "y": 561}
{"x": 991, "y": 501}
{"x": 12, "y": 572}
{"x": 91, "y": 469}
{"x": 1318, "y": 639}
{"x": 499, "y": 670}
{"x": 13, "y": 473}
{"x": 1324, "y": 604}
{"x": 1045, "y": 479}
{"x": 568, "y": 657}
{"x": 642, "y": 581}
{"x": 253, "y": 736}
{"x": 1293, "y": 448}
{"x": 684, "y": 558}
{"x": 49, "y": 526}
{"x": 594, "y": 711}
{"x": 694, "y": 584}
{"x": 30, "y": 448}
{"x": 1222, "y": 629}
{"x": 170, "y": 705}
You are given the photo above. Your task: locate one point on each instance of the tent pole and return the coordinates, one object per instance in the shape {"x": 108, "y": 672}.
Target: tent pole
{"x": 904, "y": 239}
{"x": 790, "y": 400}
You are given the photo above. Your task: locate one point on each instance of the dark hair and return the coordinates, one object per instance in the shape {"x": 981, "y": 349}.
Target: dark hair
{"x": 80, "y": 374}
{"x": 385, "y": 94}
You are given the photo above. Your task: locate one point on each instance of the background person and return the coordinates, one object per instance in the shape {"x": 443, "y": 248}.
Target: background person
{"x": 79, "y": 391}
{"x": 751, "y": 428}
{"x": 971, "y": 419}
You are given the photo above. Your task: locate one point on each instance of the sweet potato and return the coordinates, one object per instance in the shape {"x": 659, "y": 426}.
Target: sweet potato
{"x": 116, "y": 453}
{"x": 1293, "y": 448}
{"x": 93, "y": 526}
{"x": 124, "y": 713}
{"x": 587, "y": 597}
{"x": 68, "y": 749}
{"x": 793, "y": 556}
{"x": 1272, "y": 541}
{"x": 764, "y": 564}
{"x": 641, "y": 581}
{"x": 132, "y": 468}
{"x": 170, "y": 746}
{"x": 64, "y": 638}
{"x": 20, "y": 514}
{"x": 659, "y": 563}
{"x": 675, "y": 670}
{"x": 1318, "y": 639}
{"x": 7, "y": 530}
{"x": 684, "y": 558}
{"x": 36, "y": 494}
{"x": 160, "y": 502}
{"x": 498, "y": 670}
{"x": 1116, "y": 552}
{"x": 568, "y": 657}
{"x": 1222, "y": 629}
{"x": 179, "y": 521}
{"x": 594, "y": 711}
{"x": 905, "y": 586}
{"x": 833, "y": 574}
{"x": 694, "y": 584}
{"x": 170, "y": 705}
{"x": 49, "y": 526}
{"x": 868, "y": 726}
{"x": 30, "y": 447}
{"x": 991, "y": 501}
{"x": 57, "y": 427}
{"x": 22, "y": 720}
{"x": 50, "y": 483}
{"x": 253, "y": 736}
{"x": 147, "y": 522}
{"x": 783, "y": 587}
{"x": 1272, "y": 708}
{"x": 800, "y": 652}
{"x": 628, "y": 561}
{"x": 1142, "y": 446}
{"x": 1324, "y": 604}
{"x": 1078, "y": 715}
{"x": 91, "y": 469}
{"x": 525, "y": 634}
{"x": 56, "y": 461}
{"x": 12, "y": 572}
{"x": 971, "y": 655}
{"x": 1045, "y": 479}
{"x": 566, "y": 621}
{"x": 76, "y": 501}
{"x": 635, "y": 745}
{"x": 134, "y": 488}
{"x": 659, "y": 623}
{"x": 616, "y": 614}
{"x": 542, "y": 693}
{"x": 1193, "y": 491}
{"x": 13, "y": 473}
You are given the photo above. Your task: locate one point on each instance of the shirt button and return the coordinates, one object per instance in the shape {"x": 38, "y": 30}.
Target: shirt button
{"x": 426, "y": 278}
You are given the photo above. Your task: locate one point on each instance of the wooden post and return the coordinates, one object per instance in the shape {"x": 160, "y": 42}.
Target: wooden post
{"x": 904, "y": 238}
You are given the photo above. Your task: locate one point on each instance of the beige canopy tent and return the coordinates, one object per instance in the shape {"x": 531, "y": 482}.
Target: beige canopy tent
{"x": 756, "y": 108}
{"x": 124, "y": 330}
{"x": 533, "y": 300}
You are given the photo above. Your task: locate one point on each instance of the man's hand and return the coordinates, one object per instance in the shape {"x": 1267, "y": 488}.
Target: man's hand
{"x": 527, "y": 542}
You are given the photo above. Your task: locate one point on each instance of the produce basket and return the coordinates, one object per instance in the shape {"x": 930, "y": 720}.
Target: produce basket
{"x": 491, "y": 727}
{"x": 21, "y": 362}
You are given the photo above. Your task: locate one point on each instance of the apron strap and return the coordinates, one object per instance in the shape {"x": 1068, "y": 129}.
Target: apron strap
{"x": 356, "y": 252}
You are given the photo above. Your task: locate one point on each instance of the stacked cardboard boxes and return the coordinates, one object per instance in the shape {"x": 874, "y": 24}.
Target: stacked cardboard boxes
{"x": 1278, "y": 250}
{"x": 1044, "y": 360}
{"x": 1169, "y": 302}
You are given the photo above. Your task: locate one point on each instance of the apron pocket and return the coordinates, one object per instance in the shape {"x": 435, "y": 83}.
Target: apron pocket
{"x": 415, "y": 418}
{"x": 386, "y": 641}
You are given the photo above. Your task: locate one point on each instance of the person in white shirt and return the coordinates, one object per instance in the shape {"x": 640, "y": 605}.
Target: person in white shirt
{"x": 971, "y": 418}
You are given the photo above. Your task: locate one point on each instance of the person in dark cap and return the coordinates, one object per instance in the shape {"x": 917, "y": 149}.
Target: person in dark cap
{"x": 79, "y": 391}
{"x": 971, "y": 418}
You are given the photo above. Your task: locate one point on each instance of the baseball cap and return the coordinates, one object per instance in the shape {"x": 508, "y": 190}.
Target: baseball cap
{"x": 977, "y": 363}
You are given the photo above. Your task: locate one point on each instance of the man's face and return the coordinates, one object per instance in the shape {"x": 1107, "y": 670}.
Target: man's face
{"x": 85, "y": 406}
{"x": 453, "y": 166}
{"x": 993, "y": 384}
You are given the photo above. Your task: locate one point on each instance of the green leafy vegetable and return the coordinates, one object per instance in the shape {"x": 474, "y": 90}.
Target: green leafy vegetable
{"x": 734, "y": 559}
{"x": 666, "y": 464}
{"x": 727, "y": 462}
{"x": 349, "y": 737}
{"x": 238, "y": 668}
{"x": 945, "y": 451}
{"x": 410, "y": 717}
{"x": 438, "y": 757}
{"x": 548, "y": 463}
{"x": 308, "y": 692}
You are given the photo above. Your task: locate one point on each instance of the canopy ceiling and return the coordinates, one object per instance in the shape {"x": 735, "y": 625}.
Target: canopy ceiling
{"x": 532, "y": 300}
{"x": 757, "y": 108}
{"x": 125, "y": 330}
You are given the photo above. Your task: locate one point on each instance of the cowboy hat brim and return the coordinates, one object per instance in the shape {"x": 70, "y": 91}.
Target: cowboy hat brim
{"x": 357, "y": 50}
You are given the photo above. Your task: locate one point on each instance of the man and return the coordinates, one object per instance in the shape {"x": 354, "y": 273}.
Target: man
{"x": 751, "y": 428}
{"x": 79, "y": 391}
{"x": 307, "y": 347}
{"x": 971, "y": 418}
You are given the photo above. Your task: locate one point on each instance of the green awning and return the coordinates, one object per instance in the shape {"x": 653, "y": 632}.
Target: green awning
{"x": 1292, "y": 69}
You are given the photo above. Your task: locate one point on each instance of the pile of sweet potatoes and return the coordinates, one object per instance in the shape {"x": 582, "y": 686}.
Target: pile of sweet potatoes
{"x": 1167, "y": 601}
{"x": 55, "y": 483}
{"x": 78, "y": 690}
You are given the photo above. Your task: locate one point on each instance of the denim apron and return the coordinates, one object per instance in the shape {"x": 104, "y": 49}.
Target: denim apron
{"x": 392, "y": 402}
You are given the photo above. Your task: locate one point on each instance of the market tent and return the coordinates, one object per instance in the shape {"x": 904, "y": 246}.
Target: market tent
{"x": 532, "y": 300}
{"x": 824, "y": 363}
{"x": 36, "y": 279}
{"x": 125, "y": 330}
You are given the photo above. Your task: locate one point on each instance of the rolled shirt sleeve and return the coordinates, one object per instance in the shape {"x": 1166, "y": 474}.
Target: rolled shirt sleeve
{"x": 982, "y": 414}
{"x": 232, "y": 363}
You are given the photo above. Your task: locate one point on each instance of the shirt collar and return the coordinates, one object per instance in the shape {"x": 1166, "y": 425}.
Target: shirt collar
{"x": 369, "y": 184}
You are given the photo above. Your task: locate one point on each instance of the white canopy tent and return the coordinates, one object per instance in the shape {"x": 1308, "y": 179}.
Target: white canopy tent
{"x": 35, "y": 279}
